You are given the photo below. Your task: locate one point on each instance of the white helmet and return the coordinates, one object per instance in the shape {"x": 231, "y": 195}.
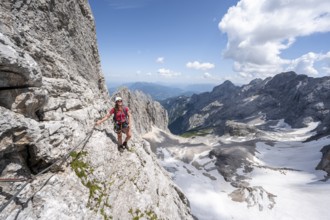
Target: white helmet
{"x": 118, "y": 99}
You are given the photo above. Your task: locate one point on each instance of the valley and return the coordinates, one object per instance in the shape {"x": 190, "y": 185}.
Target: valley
{"x": 271, "y": 176}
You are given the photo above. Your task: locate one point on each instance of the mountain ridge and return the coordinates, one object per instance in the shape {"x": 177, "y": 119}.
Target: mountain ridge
{"x": 160, "y": 92}
{"x": 287, "y": 96}
{"x": 256, "y": 108}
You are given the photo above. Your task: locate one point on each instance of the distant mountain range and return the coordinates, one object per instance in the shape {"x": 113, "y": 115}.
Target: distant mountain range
{"x": 297, "y": 99}
{"x": 256, "y": 136}
{"x": 161, "y": 92}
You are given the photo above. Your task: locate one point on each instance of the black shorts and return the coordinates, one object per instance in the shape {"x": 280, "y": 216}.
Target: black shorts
{"x": 119, "y": 127}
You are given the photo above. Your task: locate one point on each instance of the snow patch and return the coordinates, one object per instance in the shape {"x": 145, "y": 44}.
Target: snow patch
{"x": 282, "y": 184}
{"x": 251, "y": 98}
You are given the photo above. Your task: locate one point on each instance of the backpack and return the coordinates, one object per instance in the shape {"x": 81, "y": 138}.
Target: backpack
{"x": 115, "y": 113}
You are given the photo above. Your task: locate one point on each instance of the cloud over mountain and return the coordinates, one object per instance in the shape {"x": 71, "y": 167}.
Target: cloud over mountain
{"x": 259, "y": 31}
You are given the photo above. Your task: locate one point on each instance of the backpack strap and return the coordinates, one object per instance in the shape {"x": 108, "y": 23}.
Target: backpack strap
{"x": 114, "y": 114}
{"x": 116, "y": 111}
{"x": 125, "y": 111}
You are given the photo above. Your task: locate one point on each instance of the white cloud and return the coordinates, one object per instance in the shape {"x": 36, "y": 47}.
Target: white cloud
{"x": 326, "y": 63}
{"x": 258, "y": 31}
{"x": 207, "y": 75}
{"x": 326, "y": 70}
{"x": 200, "y": 66}
{"x": 160, "y": 60}
{"x": 306, "y": 64}
{"x": 168, "y": 73}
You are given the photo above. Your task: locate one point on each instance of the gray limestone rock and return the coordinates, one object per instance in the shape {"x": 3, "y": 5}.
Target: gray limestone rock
{"x": 233, "y": 128}
{"x": 52, "y": 92}
{"x": 18, "y": 67}
{"x": 254, "y": 196}
{"x": 230, "y": 157}
{"x": 325, "y": 162}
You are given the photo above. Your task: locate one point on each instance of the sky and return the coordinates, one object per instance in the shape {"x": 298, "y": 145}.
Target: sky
{"x": 210, "y": 41}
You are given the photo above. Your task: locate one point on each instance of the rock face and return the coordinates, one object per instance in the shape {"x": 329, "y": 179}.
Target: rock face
{"x": 52, "y": 91}
{"x": 325, "y": 162}
{"x": 240, "y": 129}
{"x": 297, "y": 99}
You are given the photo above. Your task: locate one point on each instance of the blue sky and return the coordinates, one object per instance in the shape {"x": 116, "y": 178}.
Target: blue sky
{"x": 209, "y": 41}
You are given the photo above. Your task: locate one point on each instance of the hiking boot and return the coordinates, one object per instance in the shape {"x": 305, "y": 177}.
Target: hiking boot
{"x": 121, "y": 148}
{"x": 125, "y": 144}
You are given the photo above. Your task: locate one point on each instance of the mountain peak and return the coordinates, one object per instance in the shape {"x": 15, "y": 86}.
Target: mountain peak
{"x": 224, "y": 86}
{"x": 286, "y": 96}
{"x": 228, "y": 83}
{"x": 285, "y": 75}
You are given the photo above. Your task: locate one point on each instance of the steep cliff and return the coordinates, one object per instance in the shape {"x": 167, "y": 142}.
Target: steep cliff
{"x": 52, "y": 91}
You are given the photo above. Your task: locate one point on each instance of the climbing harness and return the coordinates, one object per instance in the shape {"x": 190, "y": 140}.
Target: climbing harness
{"x": 116, "y": 110}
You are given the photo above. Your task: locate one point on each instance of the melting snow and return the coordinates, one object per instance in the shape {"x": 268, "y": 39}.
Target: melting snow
{"x": 284, "y": 172}
{"x": 251, "y": 98}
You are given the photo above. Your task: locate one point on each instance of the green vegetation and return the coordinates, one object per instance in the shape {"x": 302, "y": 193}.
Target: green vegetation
{"x": 137, "y": 214}
{"x": 97, "y": 189}
{"x": 94, "y": 188}
{"x": 98, "y": 199}
{"x": 80, "y": 167}
{"x": 132, "y": 148}
{"x": 151, "y": 215}
{"x": 201, "y": 132}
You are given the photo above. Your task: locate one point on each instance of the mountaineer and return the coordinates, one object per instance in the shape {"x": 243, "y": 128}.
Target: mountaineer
{"x": 122, "y": 122}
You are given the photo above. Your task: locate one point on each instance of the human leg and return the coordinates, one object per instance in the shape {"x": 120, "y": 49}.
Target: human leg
{"x": 128, "y": 134}
{"x": 119, "y": 138}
